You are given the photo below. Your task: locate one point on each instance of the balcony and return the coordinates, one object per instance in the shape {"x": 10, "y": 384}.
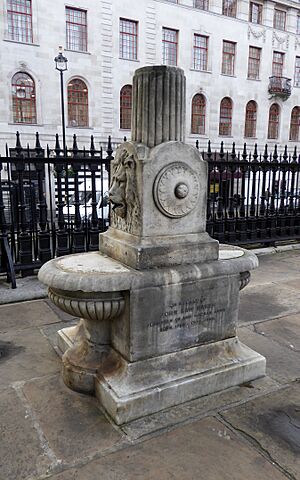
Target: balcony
{"x": 280, "y": 87}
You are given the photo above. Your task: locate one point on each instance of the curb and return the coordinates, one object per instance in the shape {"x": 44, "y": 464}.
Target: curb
{"x": 271, "y": 250}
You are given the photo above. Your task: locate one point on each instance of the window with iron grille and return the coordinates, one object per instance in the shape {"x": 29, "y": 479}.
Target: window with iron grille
{"x": 225, "y": 117}
{"x": 169, "y": 45}
{"x": 273, "y": 127}
{"x": 297, "y": 72}
{"x": 198, "y": 114}
{"x": 277, "y": 66}
{"x": 250, "y": 119}
{"x": 254, "y": 63}
{"x": 295, "y": 124}
{"x": 78, "y": 103}
{"x": 255, "y": 13}
{"x": 229, "y": 8}
{"x": 279, "y": 19}
{"x": 228, "y": 59}
{"x": 128, "y": 39}
{"x": 125, "y": 107}
{"x": 19, "y": 18}
{"x": 201, "y": 4}
{"x": 76, "y": 29}
{"x": 200, "y": 52}
{"x": 23, "y": 98}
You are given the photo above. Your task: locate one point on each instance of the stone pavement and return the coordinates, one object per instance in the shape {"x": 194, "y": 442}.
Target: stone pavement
{"x": 250, "y": 432}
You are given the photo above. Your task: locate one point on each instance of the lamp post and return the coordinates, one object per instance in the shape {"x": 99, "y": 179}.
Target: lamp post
{"x": 61, "y": 66}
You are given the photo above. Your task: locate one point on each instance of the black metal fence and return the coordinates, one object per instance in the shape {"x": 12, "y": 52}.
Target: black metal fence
{"x": 55, "y": 202}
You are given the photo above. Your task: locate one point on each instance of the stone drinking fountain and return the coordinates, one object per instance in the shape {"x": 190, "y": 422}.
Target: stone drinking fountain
{"x": 158, "y": 304}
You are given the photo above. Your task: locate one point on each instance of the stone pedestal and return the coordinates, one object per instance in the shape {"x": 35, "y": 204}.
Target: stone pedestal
{"x": 159, "y": 302}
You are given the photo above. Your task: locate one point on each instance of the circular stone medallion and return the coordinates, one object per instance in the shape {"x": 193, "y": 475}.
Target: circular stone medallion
{"x": 176, "y": 190}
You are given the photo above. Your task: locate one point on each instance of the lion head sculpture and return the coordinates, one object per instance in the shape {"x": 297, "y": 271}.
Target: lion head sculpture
{"x": 123, "y": 190}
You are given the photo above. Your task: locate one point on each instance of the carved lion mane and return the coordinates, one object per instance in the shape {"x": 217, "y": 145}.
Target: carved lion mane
{"x": 123, "y": 190}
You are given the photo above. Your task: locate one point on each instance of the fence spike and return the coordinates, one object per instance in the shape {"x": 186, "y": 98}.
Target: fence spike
{"x": 92, "y": 147}
{"x": 255, "y": 154}
{"x": 109, "y": 150}
{"x": 266, "y": 154}
{"x": 75, "y": 147}
{"x": 197, "y": 144}
{"x": 285, "y": 155}
{"x": 275, "y": 154}
{"x": 38, "y": 148}
{"x": 244, "y": 154}
{"x": 57, "y": 145}
{"x": 18, "y": 144}
{"x": 295, "y": 155}
{"x": 125, "y": 138}
{"x": 222, "y": 150}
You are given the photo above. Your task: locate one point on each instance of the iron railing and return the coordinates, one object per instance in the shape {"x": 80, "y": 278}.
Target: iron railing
{"x": 54, "y": 202}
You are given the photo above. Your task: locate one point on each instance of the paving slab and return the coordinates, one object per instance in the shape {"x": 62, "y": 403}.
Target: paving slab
{"x": 25, "y": 315}
{"x": 28, "y": 288}
{"x": 205, "y": 450}
{"x": 284, "y": 330}
{"x": 72, "y": 423}
{"x": 283, "y": 365}
{"x": 26, "y": 354}
{"x": 21, "y": 455}
{"x": 264, "y": 302}
{"x": 276, "y": 268}
{"x": 273, "y": 423}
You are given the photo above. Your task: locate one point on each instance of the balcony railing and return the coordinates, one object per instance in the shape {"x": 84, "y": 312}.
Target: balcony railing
{"x": 280, "y": 86}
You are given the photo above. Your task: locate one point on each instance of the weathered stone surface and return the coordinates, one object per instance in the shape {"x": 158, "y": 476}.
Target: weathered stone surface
{"x": 132, "y": 390}
{"x": 26, "y": 354}
{"x": 273, "y": 421}
{"x": 158, "y": 113}
{"x": 203, "y": 406}
{"x": 72, "y": 423}
{"x": 204, "y": 450}
{"x": 282, "y": 363}
{"x": 25, "y": 315}
{"x": 21, "y": 454}
{"x": 264, "y": 302}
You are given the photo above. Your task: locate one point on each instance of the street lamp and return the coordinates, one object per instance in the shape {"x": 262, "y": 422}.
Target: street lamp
{"x": 61, "y": 66}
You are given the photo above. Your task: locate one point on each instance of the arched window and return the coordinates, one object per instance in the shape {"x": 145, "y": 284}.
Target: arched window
{"x": 78, "y": 103}
{"x": 23, "y": 98}
{"x": 225, "y": 116}
{"x": 295, "y": 124}
{"x": 198, "y": 114}
{"x": 125, "y": 107}
{"x": 273, "y": 128}
{"x": 250, "y": 119}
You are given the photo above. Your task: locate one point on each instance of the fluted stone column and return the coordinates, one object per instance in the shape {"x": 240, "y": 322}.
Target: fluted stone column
{"x": 158, "y": 110}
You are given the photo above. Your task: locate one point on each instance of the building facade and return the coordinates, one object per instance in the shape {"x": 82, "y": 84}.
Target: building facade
{"x": 241, "y": 60}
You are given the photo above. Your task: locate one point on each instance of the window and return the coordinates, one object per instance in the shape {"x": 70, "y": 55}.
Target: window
{"x": 201, "y": 4}
{"x": 19, "y": 17}
{"x": 198, "y": 114}
{"x": 128, "y": 39}
{"x": 297, "y": 72}
{"x": 295, "y": 124}
{"x": 250, "y": 119}
{"x": 279, "y": 19}
{"x": 23, "y": 98}
{"x": 255, "y": 13}
{"x": 125, "y": 107}
{"x": 225, "y": 117}
{"x": 229, "y": 8}
{"x": 78, "y": 104}
{"x": 170, "y": 42}
{"x": 273, "y": 128}
{"x": 228, "y": 58}
{"x": 76, "y": 29}
{"x": 254, "y": 63}
{"x": 298, "y": 25}
{"x": 277, "y": 67}
{"x": 200, "y": 52}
